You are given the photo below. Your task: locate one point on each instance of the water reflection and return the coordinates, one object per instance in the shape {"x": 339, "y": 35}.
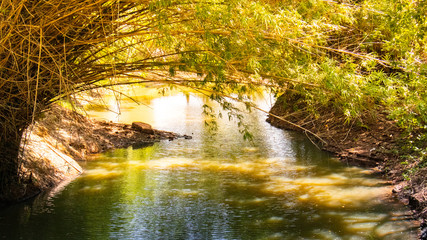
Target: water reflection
{"x": 213, "y": 187}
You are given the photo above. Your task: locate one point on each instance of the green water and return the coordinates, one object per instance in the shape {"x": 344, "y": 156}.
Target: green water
{"x": 212, "y": 187}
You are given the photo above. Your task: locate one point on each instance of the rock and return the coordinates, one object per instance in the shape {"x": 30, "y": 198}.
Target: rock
{"x": 143, "y": 127}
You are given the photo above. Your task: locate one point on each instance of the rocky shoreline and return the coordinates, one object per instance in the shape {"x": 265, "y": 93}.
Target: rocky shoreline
{"x": 53, "y": 146}
{"x": 371, "y": 145}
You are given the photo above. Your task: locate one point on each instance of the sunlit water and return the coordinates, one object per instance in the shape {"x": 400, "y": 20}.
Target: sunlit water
{"x": 218, "y": 186}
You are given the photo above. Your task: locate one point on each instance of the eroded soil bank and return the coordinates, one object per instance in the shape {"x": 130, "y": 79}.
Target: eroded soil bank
{"x": 53, "y": 146}
{"x": 371, "y": 145}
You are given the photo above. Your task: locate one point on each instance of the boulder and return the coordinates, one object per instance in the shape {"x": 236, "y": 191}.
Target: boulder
{"x": 143, "y": 127}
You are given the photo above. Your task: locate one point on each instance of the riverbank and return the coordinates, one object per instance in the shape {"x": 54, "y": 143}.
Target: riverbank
{"x": 55, "y": 144}
{"x": 373, "y": 144}
{"x": 66, "y": 136}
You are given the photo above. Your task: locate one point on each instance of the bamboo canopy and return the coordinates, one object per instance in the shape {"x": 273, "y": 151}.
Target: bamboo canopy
{"x": 52, "y": 48}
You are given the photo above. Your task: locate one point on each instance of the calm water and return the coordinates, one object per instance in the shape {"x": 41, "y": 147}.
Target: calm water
{"x": 212, "y": 187}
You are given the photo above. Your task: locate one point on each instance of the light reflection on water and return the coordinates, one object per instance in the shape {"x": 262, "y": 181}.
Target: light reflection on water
{"x": 213, "y": 187}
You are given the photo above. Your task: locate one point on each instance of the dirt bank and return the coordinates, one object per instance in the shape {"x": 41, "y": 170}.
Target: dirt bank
{"x": 372, "y": 143}
{"x": 54, "y": 144}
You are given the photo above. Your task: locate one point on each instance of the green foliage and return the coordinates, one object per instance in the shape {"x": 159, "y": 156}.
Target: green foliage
{"x": 354, "y": 58}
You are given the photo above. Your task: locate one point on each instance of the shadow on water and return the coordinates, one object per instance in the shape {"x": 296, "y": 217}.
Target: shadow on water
{"x": 214, "y": 187}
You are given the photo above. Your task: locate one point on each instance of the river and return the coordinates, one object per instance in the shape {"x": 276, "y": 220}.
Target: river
{"x": 213, "y": 186}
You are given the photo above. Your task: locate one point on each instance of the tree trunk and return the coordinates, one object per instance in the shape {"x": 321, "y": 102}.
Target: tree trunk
{"x": 10, "y": 187}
